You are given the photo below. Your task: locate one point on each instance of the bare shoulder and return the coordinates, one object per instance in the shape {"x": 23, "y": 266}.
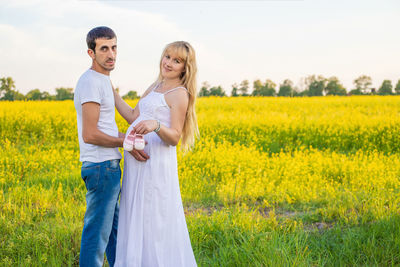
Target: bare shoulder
{"x": 178, "y": 98}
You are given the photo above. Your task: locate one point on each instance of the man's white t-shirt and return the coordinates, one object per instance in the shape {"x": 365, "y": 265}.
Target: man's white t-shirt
{"x": 96, "y": 87}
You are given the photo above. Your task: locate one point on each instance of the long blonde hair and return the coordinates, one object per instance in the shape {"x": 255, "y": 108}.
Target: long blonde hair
{"x": 188, "y": 79}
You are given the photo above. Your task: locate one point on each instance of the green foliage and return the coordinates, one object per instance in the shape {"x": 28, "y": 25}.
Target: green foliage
{"x": 36, "y": 94}
{"x": 355, "y": 92}
{"x": 217, "y": 91}
{"x": 131, "y": 95}
{"x": 47, "y": 96}
{"x": 204, "y": 90}
{"x": 244, "y": 88}
{"x": 235, "y": 90}
{"x": 64, "y": 93}
{"x": 7, "y": 84}
{"x": 240, "y": 90}
{"x": 316, "y": 85}
{"x": 363, "y": 84}
{"x": 12, "y": 95}
{"x": 7, "y": 91}
{"x": 386, "y": 88}
{"x": 301, "y": 93}
{"x": 264, "y": 89}
{"x": 397, "y": 88}
{"x": 334, "y": 87}
{"x": 286, "y": 88}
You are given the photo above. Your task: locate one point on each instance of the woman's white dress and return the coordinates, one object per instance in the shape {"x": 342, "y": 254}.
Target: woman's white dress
{"x": 152, "y": 228}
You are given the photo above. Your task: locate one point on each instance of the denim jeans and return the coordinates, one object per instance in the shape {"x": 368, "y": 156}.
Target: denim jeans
{"x": 99, "y": 234}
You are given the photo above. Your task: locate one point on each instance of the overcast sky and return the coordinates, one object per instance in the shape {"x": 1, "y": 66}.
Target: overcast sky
{"x": 43, "y": 45}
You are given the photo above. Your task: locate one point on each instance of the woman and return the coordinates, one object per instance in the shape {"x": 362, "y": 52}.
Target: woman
{"x": 152, "y": 229}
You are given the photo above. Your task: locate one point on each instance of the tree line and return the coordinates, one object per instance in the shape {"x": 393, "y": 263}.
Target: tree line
{"x": 310, "y": 86}
{"x": 9, "y": 93}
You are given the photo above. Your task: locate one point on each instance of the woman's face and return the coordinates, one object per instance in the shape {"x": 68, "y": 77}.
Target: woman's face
{"x": 171, "y": 66}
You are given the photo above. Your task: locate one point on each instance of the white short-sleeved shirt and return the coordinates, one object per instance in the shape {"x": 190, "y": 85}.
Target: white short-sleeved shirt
{"x": 96, "y": 87}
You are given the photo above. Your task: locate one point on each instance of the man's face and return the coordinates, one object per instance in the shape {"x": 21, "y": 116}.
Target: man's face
{"x": 106, "y": 53}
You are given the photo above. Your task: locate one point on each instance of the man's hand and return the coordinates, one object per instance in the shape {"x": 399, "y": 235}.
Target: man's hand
{"x": 139, "y": 155}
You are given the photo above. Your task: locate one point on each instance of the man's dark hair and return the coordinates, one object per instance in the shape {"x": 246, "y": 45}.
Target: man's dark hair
{"x": 96, "y": 33}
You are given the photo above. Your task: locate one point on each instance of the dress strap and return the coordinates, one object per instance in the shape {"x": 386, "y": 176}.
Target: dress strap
{"x": 173, "y": 89}
{"x": 155, "y": 86}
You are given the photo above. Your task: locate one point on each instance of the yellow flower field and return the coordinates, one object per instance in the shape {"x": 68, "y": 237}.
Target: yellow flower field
{"x": 271, "y": 182}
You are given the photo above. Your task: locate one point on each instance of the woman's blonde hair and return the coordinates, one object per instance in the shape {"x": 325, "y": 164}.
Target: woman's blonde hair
{"x": 188, "y": 79}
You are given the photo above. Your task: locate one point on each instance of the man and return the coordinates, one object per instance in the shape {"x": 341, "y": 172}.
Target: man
{"x": 99, "y": 140}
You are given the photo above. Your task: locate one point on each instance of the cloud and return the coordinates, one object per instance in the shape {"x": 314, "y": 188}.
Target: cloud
{"x": 51, "y": 52}
{"x": 45, "y": 41}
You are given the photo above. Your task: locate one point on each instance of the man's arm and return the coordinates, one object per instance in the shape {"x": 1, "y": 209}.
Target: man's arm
{"x": 128, "y": 113}
{"x": 90, "y": 133}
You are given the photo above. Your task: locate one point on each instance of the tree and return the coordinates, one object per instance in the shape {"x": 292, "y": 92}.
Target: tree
{"x": 269, "y": 88}
{"x": 12, "y": 95}
{"x": 204, "y": 89}
{"x": 217, "y": 91}
{"x": 302, "y": 93}
{"x": 7, "y": 91}
{"x": 235, "y": 90}
{"x": 7, "y": 84}
{"x": 47, "y": 96}
{"x": 244, "y": 88}
{"x": 363, "y": 84}
{"x": 316, "y": 85}
{"x": 397, "y": 88}
{"x": 301, "y": 88}
{"x": 286, "y": 88}
{"x": 386, "y": 88}
{"x": 334, "y": 87}
{"x": 355, "y": 92}
{"x": 266, "y": 89}
{"x": 64, "y": 93}
{"x": 34, "y": 94}
{"x": 257, "y": 86}
{"x": 131, "y": 95}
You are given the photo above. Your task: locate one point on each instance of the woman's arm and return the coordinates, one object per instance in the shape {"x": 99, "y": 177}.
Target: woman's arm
{"x": 178, "y": 101}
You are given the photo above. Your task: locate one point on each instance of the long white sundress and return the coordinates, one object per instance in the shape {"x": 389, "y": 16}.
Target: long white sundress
{"x": 152, "y": 228}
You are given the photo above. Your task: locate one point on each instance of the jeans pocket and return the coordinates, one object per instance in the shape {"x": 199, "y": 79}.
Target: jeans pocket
{"x": 90, "y": 176}
{"x": 113, "y": 165}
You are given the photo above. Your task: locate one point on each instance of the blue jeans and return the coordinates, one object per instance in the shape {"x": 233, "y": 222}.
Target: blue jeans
{"x": 99, "y": 234}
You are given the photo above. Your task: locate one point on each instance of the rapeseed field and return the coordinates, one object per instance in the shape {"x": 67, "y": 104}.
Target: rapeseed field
{"x": 271, "y": 182}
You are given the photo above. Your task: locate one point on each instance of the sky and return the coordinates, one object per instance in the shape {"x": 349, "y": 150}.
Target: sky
{"x": 43, "y": 43}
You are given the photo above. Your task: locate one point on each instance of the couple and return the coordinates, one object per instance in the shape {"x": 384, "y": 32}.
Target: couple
{"x": 150, "y": 219}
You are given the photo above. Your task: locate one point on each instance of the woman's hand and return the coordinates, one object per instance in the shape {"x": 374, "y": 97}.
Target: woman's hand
{"x": 145, "y": 127}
